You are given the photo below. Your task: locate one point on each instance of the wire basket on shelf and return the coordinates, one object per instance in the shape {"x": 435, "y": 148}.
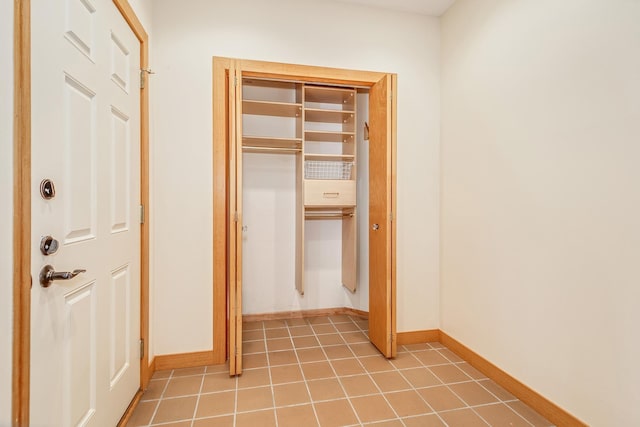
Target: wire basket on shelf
{"x": 322, "y": 169}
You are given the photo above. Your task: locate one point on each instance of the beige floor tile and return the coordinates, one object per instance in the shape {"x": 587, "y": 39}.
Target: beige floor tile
{"x": 224, "y": 421}
{"x": 301, "y": 331}
{"x": 359, "y": 385}
{"x": 327, "y": 389}
{"x": 142, "y": 414}
{"x": 335, "y": 413}
{"x": 340, "y": 318}
{"x": 423, "y": 421}
{"x": 347, "y": 327}
{"x": 405, "y": 361}
{"x": 390, "y": 381}
{"x": 372, "y": 408}
{"x": 218, "y": 382}
{"x": 178, "y": 409}
{"x": 430, "y": 357}
{"x": 324, "y": 328}
{"x": 463, "y": 417}
{"x": 155, "y": 389}
{"x": 529, "y": 414}
{"x": 305, "y": 342}
{"x": 498, "y": 391}
{"x": 347, "y": 367}
{"x": 501, "y": 415}
{"x": 254, "y": 378}
{"x": 253, "y": 347}
{"x": 473, "y": 393}
{"x": 471, "y": 371}
{"x": 338, "y": 352}
{"x": 449, "y": 374}
{"x": 318, "y": 320}
{"x": 354, "y": 337}
{"x": 365, "y": 349}
{"x": 273, "y": 324}
{"x": 420, "y": 377}
{"x": 330, "y": 339}
{"x": 219, "y": 368}
{"x": 255, "y": 335}
{"x": 286, "y": 374}
{"x": 255, "y": 419}
{"x": 252, "y": 399}
{"x": 161, "y": 374}
{"x": 199, "y": 370}
{"x": 417, "y": 347}
{"x": 390, "y": 423}
{"x": 440, "y": 398}
{"x": 436, "y": 345}
{"x": 258, "y": 360}
{"x": 279, "y": 344}
{"x": 317, "y": 370}
{"x": 450, "y": 355}
{"x": 310, "y": 355}
{"x": 285, "y": 357}
{"x": 296, "y": 322}
{"x": 376, "y": 364}
{"x": 211, "y": 405}
{"x": 183, "y": 386}
{"x": 290, "y": 394}
{"x": 248, "y": 326}
{"x": 277, "y": 333}
{"x": 177, "y": 424}
{"x": 296, "y": 416}
{"x": 407, "y": 403}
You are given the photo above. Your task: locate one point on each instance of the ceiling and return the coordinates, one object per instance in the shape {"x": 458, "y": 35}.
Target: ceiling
{"x": 423, "y": 7}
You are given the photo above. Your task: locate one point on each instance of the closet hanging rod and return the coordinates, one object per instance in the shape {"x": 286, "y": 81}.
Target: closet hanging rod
{"x": 328, "y": 215}
{"x": 276, "y": 149}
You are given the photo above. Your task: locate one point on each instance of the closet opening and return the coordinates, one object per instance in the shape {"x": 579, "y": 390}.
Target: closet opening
{"x": 308, "y": 201}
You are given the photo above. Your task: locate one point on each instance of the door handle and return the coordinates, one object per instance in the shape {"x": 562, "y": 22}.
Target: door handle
{"x": 48, "y": 275}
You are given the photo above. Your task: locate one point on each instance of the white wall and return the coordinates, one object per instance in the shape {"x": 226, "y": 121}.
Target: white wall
{"x": 186, "y": 36}
{"x": 540, "y": 196}
{"x": 6, "y": 208}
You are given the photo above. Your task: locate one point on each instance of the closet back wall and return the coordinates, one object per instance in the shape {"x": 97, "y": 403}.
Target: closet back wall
{"x": 187, "y": 35}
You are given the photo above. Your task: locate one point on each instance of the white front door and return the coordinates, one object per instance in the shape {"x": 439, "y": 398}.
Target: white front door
{"x": 86, "y": 140}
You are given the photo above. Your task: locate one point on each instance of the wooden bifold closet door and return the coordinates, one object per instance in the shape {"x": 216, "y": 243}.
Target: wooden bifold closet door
{"x": 381, "y": 192}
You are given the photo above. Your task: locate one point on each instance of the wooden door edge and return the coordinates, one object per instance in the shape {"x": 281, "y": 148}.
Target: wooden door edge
{"x": 21, "y": 213}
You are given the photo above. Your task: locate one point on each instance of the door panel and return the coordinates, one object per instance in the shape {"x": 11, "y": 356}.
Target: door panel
{"x": 85, "y": 366}
{"x": 381, "y": 315}
{"x": 235, "y": 214}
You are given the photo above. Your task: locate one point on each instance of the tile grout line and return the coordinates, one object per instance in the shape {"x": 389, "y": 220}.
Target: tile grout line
{"x": 164, "y": 389}
{"x": 195, "y": 409}
{"x": 306, "y": 384}
{"x": 499, "y": 401}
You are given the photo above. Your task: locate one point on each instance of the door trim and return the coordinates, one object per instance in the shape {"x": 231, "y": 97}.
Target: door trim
{"x": 302, "y": 73}
{"x": 22, "y": 204}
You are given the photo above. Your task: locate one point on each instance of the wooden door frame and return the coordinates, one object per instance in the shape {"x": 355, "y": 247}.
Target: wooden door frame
{"x": 302, "y": 73}
{"x": 22, "y": 280}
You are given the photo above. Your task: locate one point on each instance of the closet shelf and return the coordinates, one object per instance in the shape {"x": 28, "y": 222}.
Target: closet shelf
{"x": 328, "y": 116}
{"x": 268, "y": 108}
{"x": 329, "y": 95}
{"x": 329, "y": 157}
{"x": 262, "y": 142}
{"x": 327, "y": 136}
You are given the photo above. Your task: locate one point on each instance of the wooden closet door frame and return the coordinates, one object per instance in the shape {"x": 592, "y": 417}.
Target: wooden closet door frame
{"x": 224, "y": 194}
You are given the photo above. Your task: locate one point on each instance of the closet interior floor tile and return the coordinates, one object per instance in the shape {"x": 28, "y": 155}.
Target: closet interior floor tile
{"x": 322, "y": 371}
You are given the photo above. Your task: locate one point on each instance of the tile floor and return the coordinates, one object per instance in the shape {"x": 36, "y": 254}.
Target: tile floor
{"x": 322, "y": 371}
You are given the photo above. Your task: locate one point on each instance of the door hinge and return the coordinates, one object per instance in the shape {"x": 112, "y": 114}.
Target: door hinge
{"x": 235, "y": 216}
{"x": 141, "y": 349}
{"x": 141, "y": 214}
{"x": 141, "y": 79}
{"x": 391, "y": 216}
{"x": 235, "y": 81}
